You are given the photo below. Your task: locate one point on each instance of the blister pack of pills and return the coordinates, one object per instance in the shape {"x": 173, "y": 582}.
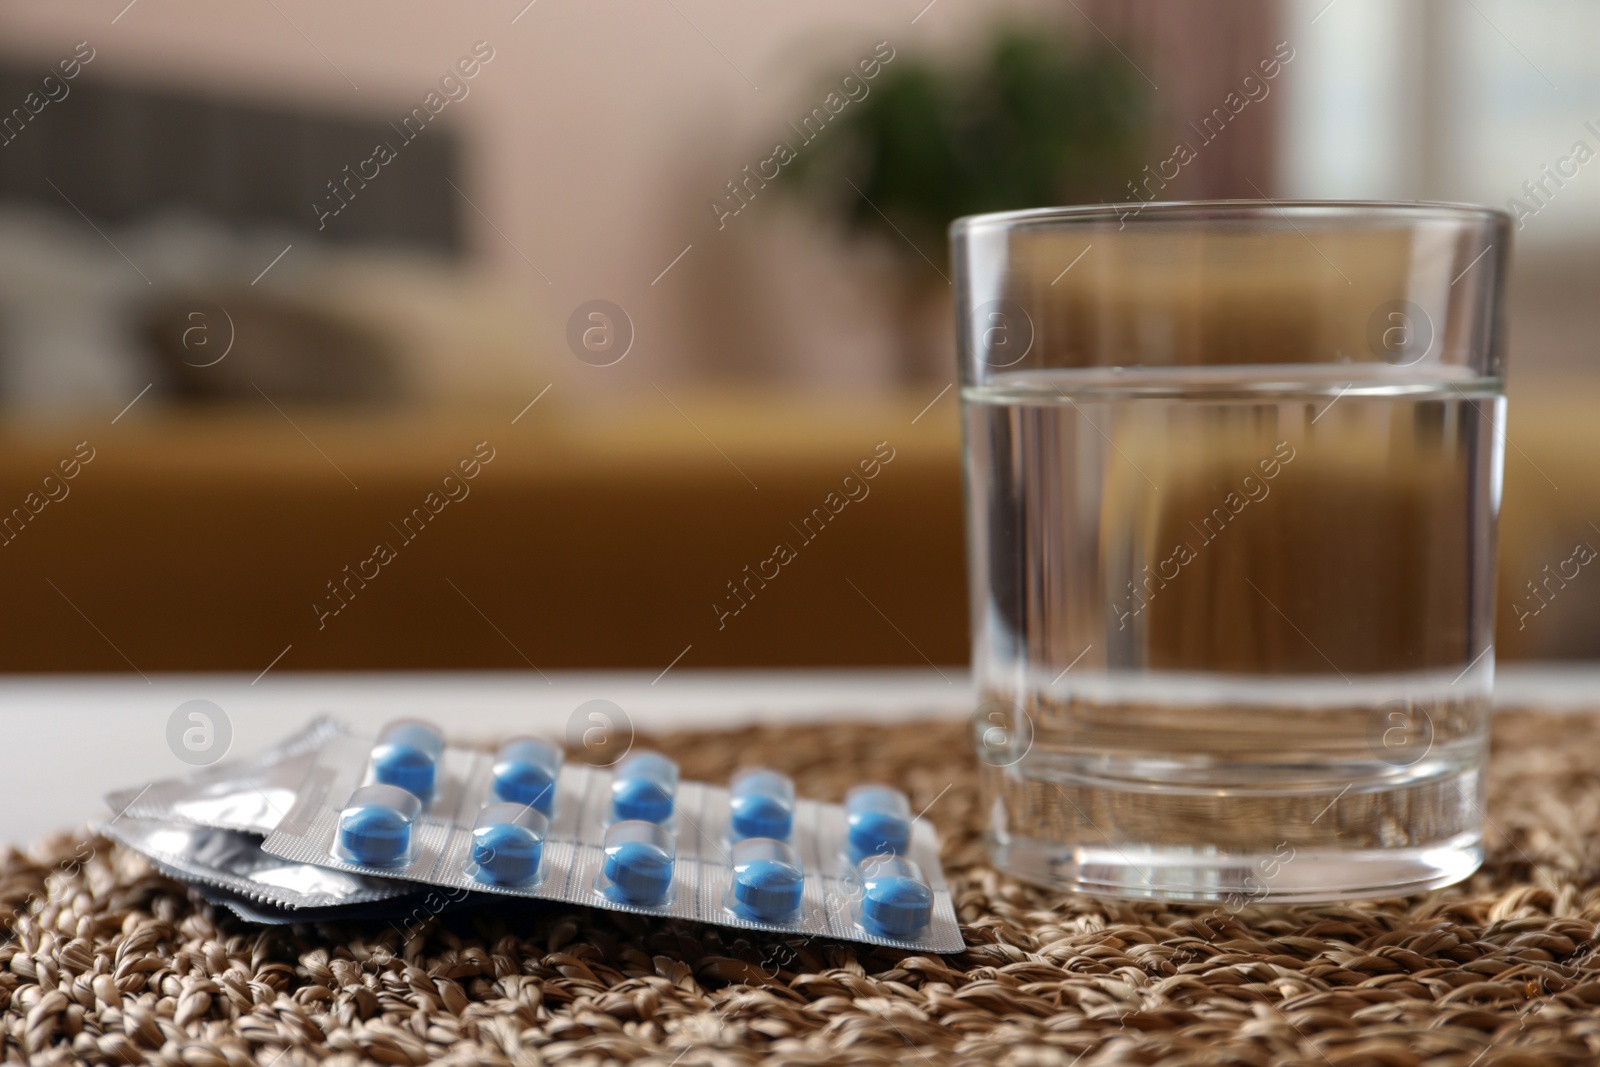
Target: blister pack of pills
{"x": 633, "y": 837}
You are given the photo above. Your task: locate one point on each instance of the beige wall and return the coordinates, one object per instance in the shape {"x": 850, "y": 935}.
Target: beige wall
{"x": 596, "y": 136}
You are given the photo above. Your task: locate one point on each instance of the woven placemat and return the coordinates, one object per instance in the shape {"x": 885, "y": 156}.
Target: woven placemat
{"x": 112, "y": 963}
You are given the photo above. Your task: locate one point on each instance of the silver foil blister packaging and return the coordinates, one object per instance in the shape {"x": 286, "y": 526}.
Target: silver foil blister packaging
{"x": 408, "y": 909}
{"x": 240, "y": 794}
{"x": 234, "y": 861}
{"x": 207, "y": 828}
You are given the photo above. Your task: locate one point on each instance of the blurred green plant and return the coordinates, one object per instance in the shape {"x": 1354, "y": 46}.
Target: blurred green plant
{"x": 1036, "y": 121}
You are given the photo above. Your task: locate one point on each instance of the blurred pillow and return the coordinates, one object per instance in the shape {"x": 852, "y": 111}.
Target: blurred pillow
{"x": 229, "y": 345}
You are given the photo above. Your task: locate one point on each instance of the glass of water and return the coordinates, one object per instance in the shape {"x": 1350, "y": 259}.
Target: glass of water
{"x": 1233, "y": 471}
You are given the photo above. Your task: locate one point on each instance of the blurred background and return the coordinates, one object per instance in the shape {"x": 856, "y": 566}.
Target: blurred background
{"x": 520, "y": 333}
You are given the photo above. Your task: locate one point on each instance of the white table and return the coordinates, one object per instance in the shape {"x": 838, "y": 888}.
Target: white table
{"x": 73, "y": 738}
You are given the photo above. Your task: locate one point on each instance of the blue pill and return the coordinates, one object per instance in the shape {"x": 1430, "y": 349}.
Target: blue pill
{"x": 878, "y": 821}
{"x": 507, "y": 844}
{"x": 407, "y": 756}
{"x": 757, "y": 816}
{"x": 644, "y": 787}
{"x": 761, "y": 804}
{"x": 638, "y": 872}
{"x": 506, "y": 854}
{"x": 375, "y": 834}
{"x": 525, "y": 772}
{"x": 524, "y": 783}
{"x": 897, "y": 906}
{"x": 641, "y": 800}
{"x": 877, "y": 833}
{"x": 767, "y": 890}
{"x": 375, "y": 825}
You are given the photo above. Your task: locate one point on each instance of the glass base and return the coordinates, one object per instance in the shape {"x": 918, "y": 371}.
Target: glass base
{"x": 1184, "y": 874}
{"x": 1233, "y": 835}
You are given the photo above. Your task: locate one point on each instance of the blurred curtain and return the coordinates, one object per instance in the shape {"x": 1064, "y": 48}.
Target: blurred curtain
{"x": 1196, "y": 53}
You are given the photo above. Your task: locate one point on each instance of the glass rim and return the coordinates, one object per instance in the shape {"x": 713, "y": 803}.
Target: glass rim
{"x": 1215, "y": 210}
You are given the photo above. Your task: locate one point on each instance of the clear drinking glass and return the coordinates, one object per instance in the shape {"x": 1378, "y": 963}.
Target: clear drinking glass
{"x": 1233, "y": 471}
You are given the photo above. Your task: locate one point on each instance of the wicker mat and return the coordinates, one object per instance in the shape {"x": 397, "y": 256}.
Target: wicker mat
{"x": 119, "y": 965}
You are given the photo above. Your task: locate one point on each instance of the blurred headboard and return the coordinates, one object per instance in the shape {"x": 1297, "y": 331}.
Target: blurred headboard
{"x": 123, "y": 151}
